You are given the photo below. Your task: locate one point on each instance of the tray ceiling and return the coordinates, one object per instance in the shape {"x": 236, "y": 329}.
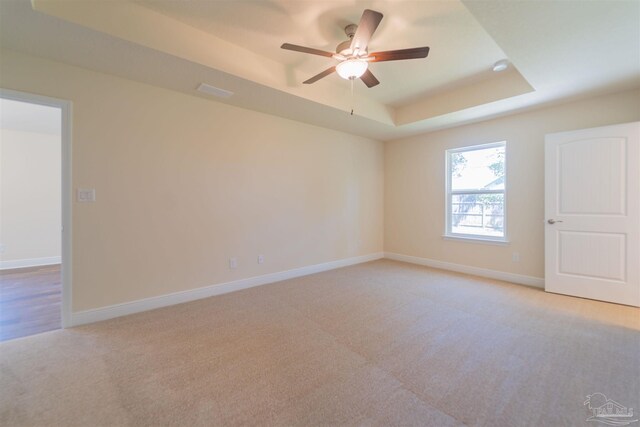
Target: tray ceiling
{"x": 235, "y": 45}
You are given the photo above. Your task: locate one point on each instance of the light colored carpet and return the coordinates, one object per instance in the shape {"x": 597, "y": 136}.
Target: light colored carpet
{"x": 382, "y": 343}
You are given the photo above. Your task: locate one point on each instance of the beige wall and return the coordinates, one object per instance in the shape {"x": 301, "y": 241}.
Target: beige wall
{"x": 29, "y": 197}
{"x": 415, "y": 171}
{"x": 183, "y": 183}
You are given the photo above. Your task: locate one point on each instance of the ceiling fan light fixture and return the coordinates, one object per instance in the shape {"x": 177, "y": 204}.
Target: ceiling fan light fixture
{"x": 352, "y": 68}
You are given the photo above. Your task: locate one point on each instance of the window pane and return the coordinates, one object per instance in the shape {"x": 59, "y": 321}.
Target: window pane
{"x": 478, "y": 214}
{"x": 478, "y": 169}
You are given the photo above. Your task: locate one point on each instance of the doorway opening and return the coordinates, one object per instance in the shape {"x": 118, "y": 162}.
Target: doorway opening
{"x": 34, "y": 223}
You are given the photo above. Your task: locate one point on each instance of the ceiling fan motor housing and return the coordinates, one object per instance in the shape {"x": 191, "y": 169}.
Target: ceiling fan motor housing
{"x": 344, "y": 48}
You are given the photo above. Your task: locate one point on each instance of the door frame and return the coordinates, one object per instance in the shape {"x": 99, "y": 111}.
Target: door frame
{"x": 66, "y": 190}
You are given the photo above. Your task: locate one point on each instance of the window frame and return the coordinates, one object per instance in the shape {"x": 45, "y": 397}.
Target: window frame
{"x": 449, "y": 193}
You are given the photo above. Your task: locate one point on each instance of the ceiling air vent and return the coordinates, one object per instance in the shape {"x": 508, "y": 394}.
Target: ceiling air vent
{"x": 215, "y": 91}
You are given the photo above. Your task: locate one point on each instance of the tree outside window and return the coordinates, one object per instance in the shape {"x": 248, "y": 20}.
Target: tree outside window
{"x": 476, "y": 183}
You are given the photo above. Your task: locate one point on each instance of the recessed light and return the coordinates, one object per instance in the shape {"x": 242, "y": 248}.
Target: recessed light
{"x": 215, "y": 91}
{"x": 500, "y": 65}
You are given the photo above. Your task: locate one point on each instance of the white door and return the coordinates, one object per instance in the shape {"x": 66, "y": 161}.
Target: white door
{"x": 592, "y": 207}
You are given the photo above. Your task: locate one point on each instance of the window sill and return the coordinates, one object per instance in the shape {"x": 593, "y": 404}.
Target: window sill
{"x": 476, "y": 240}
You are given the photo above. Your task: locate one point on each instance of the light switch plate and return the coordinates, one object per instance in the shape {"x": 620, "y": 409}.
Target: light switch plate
{"x": 86, "y": 195}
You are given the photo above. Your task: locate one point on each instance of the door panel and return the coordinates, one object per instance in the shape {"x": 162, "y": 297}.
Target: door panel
{"x": 597, "y": 164}
{"x": 592, "y": 205}
{"x": 595, "y": 255}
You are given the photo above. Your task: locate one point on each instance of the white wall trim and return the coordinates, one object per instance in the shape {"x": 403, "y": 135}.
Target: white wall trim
{"x": 520, "y": 279}
{"x": 117, "y": 310}
{"x": 31, "y": 262}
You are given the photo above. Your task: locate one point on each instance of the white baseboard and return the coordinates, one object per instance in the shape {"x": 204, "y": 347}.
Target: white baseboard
{"x": 31, "y": 262}
{"x": 476, "y": 271}
{"x": 110, "y": 312}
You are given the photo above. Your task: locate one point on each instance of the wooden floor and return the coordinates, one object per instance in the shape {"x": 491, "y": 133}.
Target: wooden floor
{"x": 30, "y": 301}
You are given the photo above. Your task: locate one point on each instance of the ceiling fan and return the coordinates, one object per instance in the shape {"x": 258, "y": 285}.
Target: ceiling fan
{"x": 352, "y": 54}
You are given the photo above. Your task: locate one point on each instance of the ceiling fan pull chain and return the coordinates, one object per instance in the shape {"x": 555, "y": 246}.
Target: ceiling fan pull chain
{"x": 352, "y": 98}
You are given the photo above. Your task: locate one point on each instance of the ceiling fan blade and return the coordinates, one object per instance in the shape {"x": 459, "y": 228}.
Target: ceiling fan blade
{"x": 317, "y": 77}
{"x": 289, "y": 46}
{"x": 368, "y": 23}
{"x": 369, "y": 79}
{"x": 397, "y": 55}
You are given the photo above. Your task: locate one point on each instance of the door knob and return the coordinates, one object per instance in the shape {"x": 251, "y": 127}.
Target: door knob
{"x": 552, "y": 221}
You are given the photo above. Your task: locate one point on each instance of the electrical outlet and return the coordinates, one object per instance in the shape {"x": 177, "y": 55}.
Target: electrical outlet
{"x": 515, "y": 257}
{"x": 1, "y": 248}
{"x": 260, "y": 259}
{"x": 233, "y": 263}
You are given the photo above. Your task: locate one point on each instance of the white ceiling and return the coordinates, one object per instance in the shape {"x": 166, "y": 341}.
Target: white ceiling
{"x": 262, "y": 26}
{"x": 558, "y": 50}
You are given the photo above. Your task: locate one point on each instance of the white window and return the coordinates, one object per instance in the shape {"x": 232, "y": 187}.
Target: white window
{"x": 476, "y": 197}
